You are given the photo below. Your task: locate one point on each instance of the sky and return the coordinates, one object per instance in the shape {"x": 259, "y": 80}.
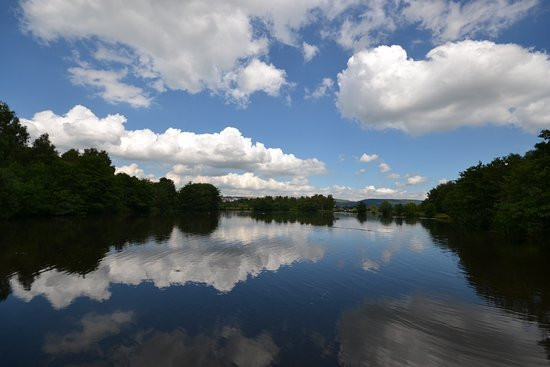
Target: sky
{"x": 358, "y": 99}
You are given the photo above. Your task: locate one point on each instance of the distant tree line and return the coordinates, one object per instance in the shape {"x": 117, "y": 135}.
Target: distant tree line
{"x": 36, "y": 181}
{"x": 510, "y": 194}
{"x": 284, "y": 204}
{"x": 387, "y": 210}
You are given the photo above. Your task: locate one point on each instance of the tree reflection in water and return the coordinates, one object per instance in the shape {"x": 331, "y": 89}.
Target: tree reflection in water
{"x": 509, "y": 274}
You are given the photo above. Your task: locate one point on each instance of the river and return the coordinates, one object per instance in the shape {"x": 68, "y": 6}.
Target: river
{"x": 238, "y": 289}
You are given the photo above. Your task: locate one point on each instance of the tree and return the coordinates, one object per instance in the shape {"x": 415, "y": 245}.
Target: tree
{"x": 410, "y": 210}
{"x": 386, "y": 209}
{"x": 164, "y": 195}
{"x": 13, "y": 136}
{"x": 361, "y": 208}
{"x": 201, "y": 197}
{"x": 398, "y": 209}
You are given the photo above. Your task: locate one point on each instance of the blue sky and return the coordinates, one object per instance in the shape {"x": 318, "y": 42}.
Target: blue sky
{"x": 424, "y": 88}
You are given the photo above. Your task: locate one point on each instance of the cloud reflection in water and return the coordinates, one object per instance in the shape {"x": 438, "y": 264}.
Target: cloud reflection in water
{"x": 236, "y": 250}
{"x": 423, "y": 331}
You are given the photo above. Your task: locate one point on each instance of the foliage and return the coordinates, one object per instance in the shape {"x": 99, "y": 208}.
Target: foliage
{"x": 361, "y": 208}
{"x": 510, "y": 194}
{"x": 36, "y": 181}
{"x": 410, "y": 211}
{"x": 202, "y": 197}
{"x": 386, "y": 209}
{"x": 267, "y": 204}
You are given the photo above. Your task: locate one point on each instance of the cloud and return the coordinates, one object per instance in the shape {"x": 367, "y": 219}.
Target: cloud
{"x": 111, "y": 88}
{"x": 228, "y": 149}
{"x": 453, "y": 20}
{"x": 309, "y": 51}
{"x": 468, "y": 83}
{"x": 447, "y": 20}
{"x": 227, "y": 159}
{"x": 190, "y": 46}
{"x": 195, "y": 45}
{"x": 322, "y": 90}
{"x": 384, "y": 167}
{"x": 374, "y": 22}
{"x": 248, "y": 184}
{"x": 416, "y": 180}
{"x": 394, "y": 176}
{"x": 366, "y": 158}
{"x": 443, "y": 181}
{"x": 256, "y": 76}
{"x": 93, "y": 328}
{"x": 133, "y": 170}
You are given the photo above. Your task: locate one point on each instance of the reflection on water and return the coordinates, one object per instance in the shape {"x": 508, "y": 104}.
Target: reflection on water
{"x": 224, "y": 346}
{"x": 259, "y": 290}
{"x": 511, "y": 275}
{"x": 230, "y": 255}
{"x": 421, "y": 331}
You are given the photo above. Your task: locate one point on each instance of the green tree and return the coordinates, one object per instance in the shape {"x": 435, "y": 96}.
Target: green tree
{"x": 410, "y": 211}
{"x": 201, "y": 197}
{"x": 13, "y": 136}
{"x": 398, "y": 210}
{"x": 361, "y": 208}
{"x": 164, "y": 195}
{"x": 386, "y": 209}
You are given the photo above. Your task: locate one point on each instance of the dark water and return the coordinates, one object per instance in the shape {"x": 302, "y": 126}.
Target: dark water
{"x": 238, "y": 290}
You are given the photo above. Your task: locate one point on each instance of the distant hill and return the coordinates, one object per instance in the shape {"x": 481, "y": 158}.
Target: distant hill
{"x": 375, "y": 202}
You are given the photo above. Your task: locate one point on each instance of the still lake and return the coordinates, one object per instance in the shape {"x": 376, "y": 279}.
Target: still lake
{"x": 237, "y": 289}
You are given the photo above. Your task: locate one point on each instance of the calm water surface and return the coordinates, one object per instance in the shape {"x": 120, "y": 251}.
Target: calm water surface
{"x": 258, "y": 291}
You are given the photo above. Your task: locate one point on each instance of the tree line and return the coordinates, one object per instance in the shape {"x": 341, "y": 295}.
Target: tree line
{"x": 387, "y": 210}
{"x": 267, "y": 204}
{"x": 510, "y": 194}
{"x": 36, "y": 181}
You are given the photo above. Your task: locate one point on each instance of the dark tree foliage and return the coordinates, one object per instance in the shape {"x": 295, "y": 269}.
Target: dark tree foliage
{"x": 398, "y": 210}
{"x": 316, "y": 218}
{"x": 361, "y": 208}
{"x": 386, "y": 209}
{"x": 36, "y": 181}
{"x": 13, "y": 136}
{"x": 510, "y": 194}
{"x": 410, "y": 211}
{"x": 199, "y": 197}
{"x": 302, "y": 204}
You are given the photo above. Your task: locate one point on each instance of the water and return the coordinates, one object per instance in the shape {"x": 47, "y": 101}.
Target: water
{"x": 259, "y": 291}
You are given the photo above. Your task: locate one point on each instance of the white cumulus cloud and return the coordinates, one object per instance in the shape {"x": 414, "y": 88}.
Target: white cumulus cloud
{"x": 366, "y": 158}
{"x": 134, "y": 170}
{"x": 110, "y": 86}
{"x": 309, "y": 51}
{"x": 228, "y": 149}
{"x": 416, "y": 180}
{"x": 384, "y": 167}
{"x": 189, "y": 45}
{"x": 256, "y": 76}
{"x": 468, "y": 83}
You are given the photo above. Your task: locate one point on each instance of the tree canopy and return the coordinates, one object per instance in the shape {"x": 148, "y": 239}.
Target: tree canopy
{"x": 36, "y": 181}
{"x": 510, "y": 194}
